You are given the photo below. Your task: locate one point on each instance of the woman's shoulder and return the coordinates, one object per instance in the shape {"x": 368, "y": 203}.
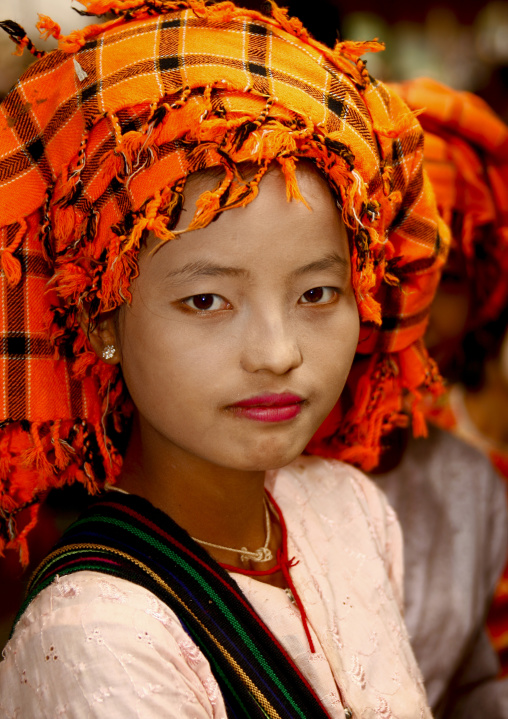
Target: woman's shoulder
{"x": 331, "y": 489}
{"x": 91, "y": 596}
{"x": 88, "y": 638}
{"x": 324, "y": 479}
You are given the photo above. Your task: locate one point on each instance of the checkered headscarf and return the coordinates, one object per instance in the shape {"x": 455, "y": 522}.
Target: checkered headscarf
{"x": 466, "y": 159}
{"x": 96, "y": 141}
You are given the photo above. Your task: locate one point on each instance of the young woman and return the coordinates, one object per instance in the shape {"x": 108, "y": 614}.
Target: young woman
{"x": 214, "y": 213}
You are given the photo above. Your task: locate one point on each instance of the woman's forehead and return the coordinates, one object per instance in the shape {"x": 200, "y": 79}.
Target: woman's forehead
{"x": 271, "y": 234}
{"x": 310, "y": 182}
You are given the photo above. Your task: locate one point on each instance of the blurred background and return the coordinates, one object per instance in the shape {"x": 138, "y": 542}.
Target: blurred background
{"x": 463, "y": 44}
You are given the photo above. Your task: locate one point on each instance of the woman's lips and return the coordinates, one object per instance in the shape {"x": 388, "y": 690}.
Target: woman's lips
{"x": 269, "y": 407}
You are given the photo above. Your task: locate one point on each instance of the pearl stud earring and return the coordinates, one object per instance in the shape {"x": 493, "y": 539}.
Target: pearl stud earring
{"x": 108, "y": 352}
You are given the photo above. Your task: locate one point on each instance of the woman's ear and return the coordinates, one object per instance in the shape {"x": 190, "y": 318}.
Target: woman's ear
{"x": 103, "y": 335}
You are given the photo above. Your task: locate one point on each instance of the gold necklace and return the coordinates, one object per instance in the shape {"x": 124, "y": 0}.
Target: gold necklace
{"x": 263, "y": 554}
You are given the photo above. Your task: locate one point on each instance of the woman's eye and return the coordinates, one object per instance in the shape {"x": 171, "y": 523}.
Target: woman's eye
{"x": 205, "y": 302}
{"x": 319, "y": 295}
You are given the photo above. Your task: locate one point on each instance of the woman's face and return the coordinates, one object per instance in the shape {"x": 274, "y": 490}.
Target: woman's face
{"x": 240, "y": 336}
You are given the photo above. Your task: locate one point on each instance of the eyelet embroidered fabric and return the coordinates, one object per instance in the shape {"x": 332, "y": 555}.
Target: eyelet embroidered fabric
{"x": 278, "y": 612}
{"x": 94, "y": 646}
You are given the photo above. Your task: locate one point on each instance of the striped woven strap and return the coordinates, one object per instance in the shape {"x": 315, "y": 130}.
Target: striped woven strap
{"x": 125, "y": 536}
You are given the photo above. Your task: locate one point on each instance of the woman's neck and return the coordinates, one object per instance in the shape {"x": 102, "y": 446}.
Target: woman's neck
{"x": 219, "y": 505}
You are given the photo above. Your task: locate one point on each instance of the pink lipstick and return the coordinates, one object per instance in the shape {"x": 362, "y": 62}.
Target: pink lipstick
{"x": 269, "y": 407}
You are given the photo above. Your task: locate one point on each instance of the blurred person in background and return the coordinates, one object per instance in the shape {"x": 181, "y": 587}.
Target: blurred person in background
{"x": 467, "y": 159}
{"x": 446, "y": 493}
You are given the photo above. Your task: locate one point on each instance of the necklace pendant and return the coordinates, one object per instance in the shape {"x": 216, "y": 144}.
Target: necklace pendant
{"x": 263, "y": 554}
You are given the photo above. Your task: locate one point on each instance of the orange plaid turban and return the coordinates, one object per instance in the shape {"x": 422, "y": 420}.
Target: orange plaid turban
{"x": 96, "y": 140}
{"x": 466, "y": 158}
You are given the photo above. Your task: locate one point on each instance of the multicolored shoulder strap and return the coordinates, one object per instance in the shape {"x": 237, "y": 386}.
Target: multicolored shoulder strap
{"x": 125, "y": 536}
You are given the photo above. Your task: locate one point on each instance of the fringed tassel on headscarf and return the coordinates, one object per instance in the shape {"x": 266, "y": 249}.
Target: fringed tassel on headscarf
{"x": 20, "y": 542}
{"x": 288, "y": 166}
{"x": 150, "y": 221}
{"x": 387, "y": 386}
{"x": 346, "y": 55}
{"x": 20, "y": 38}
{"x": 209, "y": 203}
{"x": 10, "y": 264}
{"x": 73, "y": 42}
{"x": 422, "y": 381}
{"x": 61, "y": 449}
{"x": 36, "y": 456}
{"x": 48, "y": 27}
{"x": 134, "y": 9}
{"x": 376, "y": 407}
{"x": 44, "y": 455}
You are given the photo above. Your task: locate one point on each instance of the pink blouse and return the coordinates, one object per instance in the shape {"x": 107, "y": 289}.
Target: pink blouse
{"x": 92, "y": 646}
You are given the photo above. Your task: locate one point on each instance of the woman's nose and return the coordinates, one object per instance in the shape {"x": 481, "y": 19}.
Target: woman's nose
{"x": 271, "y": 344}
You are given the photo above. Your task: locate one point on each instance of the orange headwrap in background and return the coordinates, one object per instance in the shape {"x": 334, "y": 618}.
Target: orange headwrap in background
{"x": 96, "y": 140}
{"x": 466, "y": 158}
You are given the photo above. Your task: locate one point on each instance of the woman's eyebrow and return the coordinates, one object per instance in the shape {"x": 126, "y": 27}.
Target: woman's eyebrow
{"x": 332, "y": 261}
{"x": 203, "y": 268}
